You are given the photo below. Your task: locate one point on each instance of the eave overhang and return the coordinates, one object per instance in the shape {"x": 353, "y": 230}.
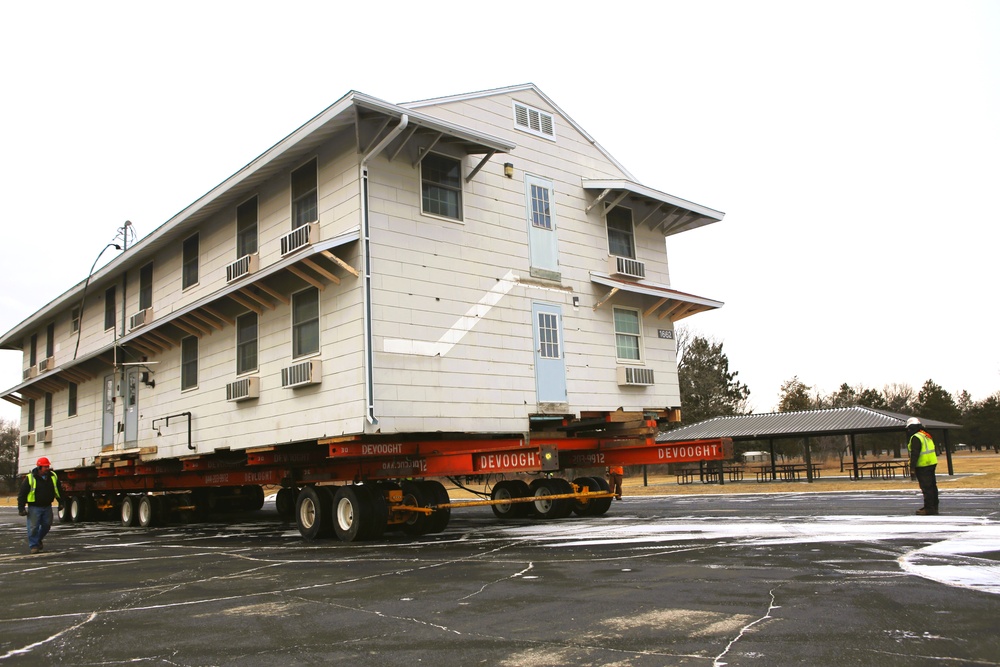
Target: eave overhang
{"x": 659, "y": 300}
{"x": 368, "y": 118}
{"x": 651, "y": 208}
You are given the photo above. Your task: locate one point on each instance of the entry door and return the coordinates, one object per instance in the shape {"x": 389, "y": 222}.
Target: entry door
{"x": 131, "y": 406}
{"x": 543, "y": 245}
{"x": 550, "y": 361}
{"x": 108, "y": 415}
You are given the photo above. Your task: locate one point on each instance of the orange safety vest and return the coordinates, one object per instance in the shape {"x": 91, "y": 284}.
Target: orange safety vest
{"x": 616, "y": 470}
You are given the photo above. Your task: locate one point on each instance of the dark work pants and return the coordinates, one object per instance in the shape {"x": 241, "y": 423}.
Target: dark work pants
{"x": 615, "y": 482}
{"x": 928, "y": 486}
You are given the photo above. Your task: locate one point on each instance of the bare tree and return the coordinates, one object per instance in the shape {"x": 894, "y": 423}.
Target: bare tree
{"x": 10, "y": 434}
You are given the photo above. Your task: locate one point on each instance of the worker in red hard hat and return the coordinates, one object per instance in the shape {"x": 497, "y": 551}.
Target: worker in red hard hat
{"x": 39, "y": 490}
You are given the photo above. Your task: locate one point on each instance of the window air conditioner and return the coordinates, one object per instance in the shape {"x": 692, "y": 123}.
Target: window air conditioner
{"x": 45, "y": 435}
{"x": 635, "y": 376}
{"x": 623, "y": 266}
{"x": 30, "y": 372}
{"x": 28, "y": 440}
{"x": 244, "y": 266}
{"x": 144, "y": 316}
{"x": 299, "y": 375}
{"x": 299, "y": 238}
{"x": 243, "y": 389}
{"x": 46, "y": 364}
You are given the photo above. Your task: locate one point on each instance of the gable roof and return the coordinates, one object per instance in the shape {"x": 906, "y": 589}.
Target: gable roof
{"x": 806, "y": 423}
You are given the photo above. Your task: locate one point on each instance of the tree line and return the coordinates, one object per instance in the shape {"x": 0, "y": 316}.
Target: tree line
{"x": 709, "y": 388}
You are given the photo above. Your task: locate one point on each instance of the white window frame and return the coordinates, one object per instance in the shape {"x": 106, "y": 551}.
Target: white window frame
{"x": 460, "y": 189}
{"x": 197, "y": 352}
{"x": 319, "y": 316}
{"x": 631, "y": 219}
{"x": 638, "y": 336}
{"x": 540, "y": 116}
{"x": 185, "y": 261}
{"x": 240, "y": 343}
{"x": 314, "y": 192}
{"x": 256, "y": 226}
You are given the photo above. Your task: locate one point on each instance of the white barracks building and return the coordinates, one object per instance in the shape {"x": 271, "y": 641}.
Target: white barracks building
{"x": 464, "y": 265}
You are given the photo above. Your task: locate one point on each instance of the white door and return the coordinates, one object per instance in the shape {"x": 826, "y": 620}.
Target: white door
{"x": 550, "y": 360}
{"x": 543, "y": 244}
{"x": 108, "y": 414}
{"x": 131, "y": 407}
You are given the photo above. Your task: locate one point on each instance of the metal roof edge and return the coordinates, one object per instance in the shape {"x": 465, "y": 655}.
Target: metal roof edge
{"x": 646, "y": 191}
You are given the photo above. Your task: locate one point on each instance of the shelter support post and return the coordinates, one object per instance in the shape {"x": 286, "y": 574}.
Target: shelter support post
{"x": 854, "y": 457}
{"x": 808, "y": 457}
{"x": 947, "y": 453}
{"x": 722, "y": 476}
{"x": 774, "y": 471}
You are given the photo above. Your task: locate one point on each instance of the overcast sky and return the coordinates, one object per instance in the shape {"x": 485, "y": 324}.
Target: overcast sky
{"x": 853, "y": 146}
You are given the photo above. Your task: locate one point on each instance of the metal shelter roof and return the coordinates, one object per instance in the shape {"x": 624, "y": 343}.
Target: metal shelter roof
{"x": 802, "y": 424}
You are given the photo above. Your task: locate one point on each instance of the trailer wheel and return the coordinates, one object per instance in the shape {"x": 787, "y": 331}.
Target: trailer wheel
{"x": 147, "y": 511}
{"x": 352, "y": 513}
{"x": 127, "y": 510}
{"x": 600, "y": 506}
{"x": 312, "y": 513}
{"x": 558, "y": 508}
{"x": 253, "y": 497}
{"x": 509, "y": 489}
{"x": 77, "y": 509}
{"x": 64, "y": 516}
{"x": 376, "y": 526}
{"x": 585, "y": 506}
{"x": 284, "y": 502}
{"x": 437, "y": 495}
{"x": 417, "y": 523}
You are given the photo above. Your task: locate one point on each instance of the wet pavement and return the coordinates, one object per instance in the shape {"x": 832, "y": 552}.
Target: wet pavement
{"x": 773, "y": 579}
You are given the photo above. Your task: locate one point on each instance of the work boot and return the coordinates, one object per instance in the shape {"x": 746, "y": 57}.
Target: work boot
{"x": 922, "y": 512}
{"x": 34, "y": 550}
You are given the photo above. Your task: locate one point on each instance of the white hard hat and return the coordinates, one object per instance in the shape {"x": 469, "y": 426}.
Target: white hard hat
{"x": 913, "y": 421}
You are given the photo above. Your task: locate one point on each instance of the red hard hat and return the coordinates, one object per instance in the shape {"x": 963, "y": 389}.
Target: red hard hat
{"x": 43, "y": 462}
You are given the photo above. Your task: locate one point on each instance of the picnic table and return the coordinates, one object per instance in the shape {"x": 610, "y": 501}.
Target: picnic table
{"x": 785, "y": 471}
{"x": 708, "y": 474}
{"x": 882, "y": 469}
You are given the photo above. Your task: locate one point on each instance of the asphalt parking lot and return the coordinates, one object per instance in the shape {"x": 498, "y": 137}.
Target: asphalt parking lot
{"x": 773, "y": 579}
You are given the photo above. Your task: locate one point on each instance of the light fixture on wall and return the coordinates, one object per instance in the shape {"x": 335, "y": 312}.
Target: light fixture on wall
{"x": 508, "y": 169}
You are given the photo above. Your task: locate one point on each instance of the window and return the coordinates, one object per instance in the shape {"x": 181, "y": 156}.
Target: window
{"x": 189, "y": 362}
{"x": 533, "y": 121}
{"x": 189, "y": 271}
{"x": 71, "y": 400}
{"x": 541, "y": 215}
{"x": 74, "y": 320}
{"x": 628, "y": 334}
{"x": 246, "y": 343}
{"x": 146, "y": 287}
{"x": 305, "y": 322}
{"x": 31, "y": 414}
{"x": 548, "y": 336}
{"x": 47, "y": 414}
{"x": 109, "y": 308}
{"x": 441, "y": 184}
{"x": 50, "y": 340}
{"x": 33, "y": 350}
{"x": 621, "y": 238}
{"x": 246, "y": 228}
{"x": 304, "y": 201}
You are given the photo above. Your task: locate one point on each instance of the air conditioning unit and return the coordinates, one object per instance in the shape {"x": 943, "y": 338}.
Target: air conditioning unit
{"x": 299, "y": 375}
{"x": 243, "y": 389}
{"x": 28, "y": 440}
{"x": 144, "y": 316}
{"x": 299, "y": 238}
{"x": 635, "y": 376}
{"x": 30, "y": 372}
{"x": 46, "y": 364}
{"x": 244, "y": 266}
{"x": 623, "y": 266}
{"x": 45, "y": 435}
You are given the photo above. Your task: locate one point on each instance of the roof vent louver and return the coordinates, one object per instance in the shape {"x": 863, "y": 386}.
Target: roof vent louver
{"x": 534, "y": 121}
{"x": 299, "y": 238}
{"x": 629, "y": 268}
{"x": 244, "y": 266}
{"x": 635, "y": 376}
{"x": 300, "y": 375}
{"x": 243, "y": 389}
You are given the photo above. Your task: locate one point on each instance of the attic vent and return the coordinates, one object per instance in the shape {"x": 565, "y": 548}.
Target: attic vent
{"x": 534, "y": 121}
{"x": 630, "y": 268}
{"x": 635, "y": 376}
{"x": 142, "y": 317}
{"x": 298, "y": 375}
{"x": 299, "y": 238}
{"x": 245, "y": 265}
{"x": 243, "y": 389}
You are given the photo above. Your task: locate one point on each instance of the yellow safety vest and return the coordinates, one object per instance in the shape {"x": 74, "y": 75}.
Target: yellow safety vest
{"x": 32, "y": 482}
{"x": 927, "y": 457}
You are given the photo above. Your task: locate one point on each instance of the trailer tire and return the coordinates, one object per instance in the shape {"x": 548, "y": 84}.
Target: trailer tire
{"x": 78, "y": 509}
{"x": 377, "y": 523}
{"x": 558, "y": 508}
{"x": 506, "y": 490}
{"x": 253, "y": 497}
{"x": 437, "y": 495}
{"x": 313, "y": 511}
{"x": 64, "y": 516}
{"x": 600, "y": 506}
{"x": 352, "y": 513}
{"x": 585, "y": 506}
{"x": 147, "y": 511}
{"x": 417, "y": 523}
{"x": 284, "y": 502}
{"x": 127, "y": 511}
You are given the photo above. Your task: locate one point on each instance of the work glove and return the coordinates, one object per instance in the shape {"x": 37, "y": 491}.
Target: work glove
{"x": 22, "y": 512}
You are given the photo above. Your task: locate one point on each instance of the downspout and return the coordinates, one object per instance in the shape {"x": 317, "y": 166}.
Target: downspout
{"x": 366, "y": 293}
